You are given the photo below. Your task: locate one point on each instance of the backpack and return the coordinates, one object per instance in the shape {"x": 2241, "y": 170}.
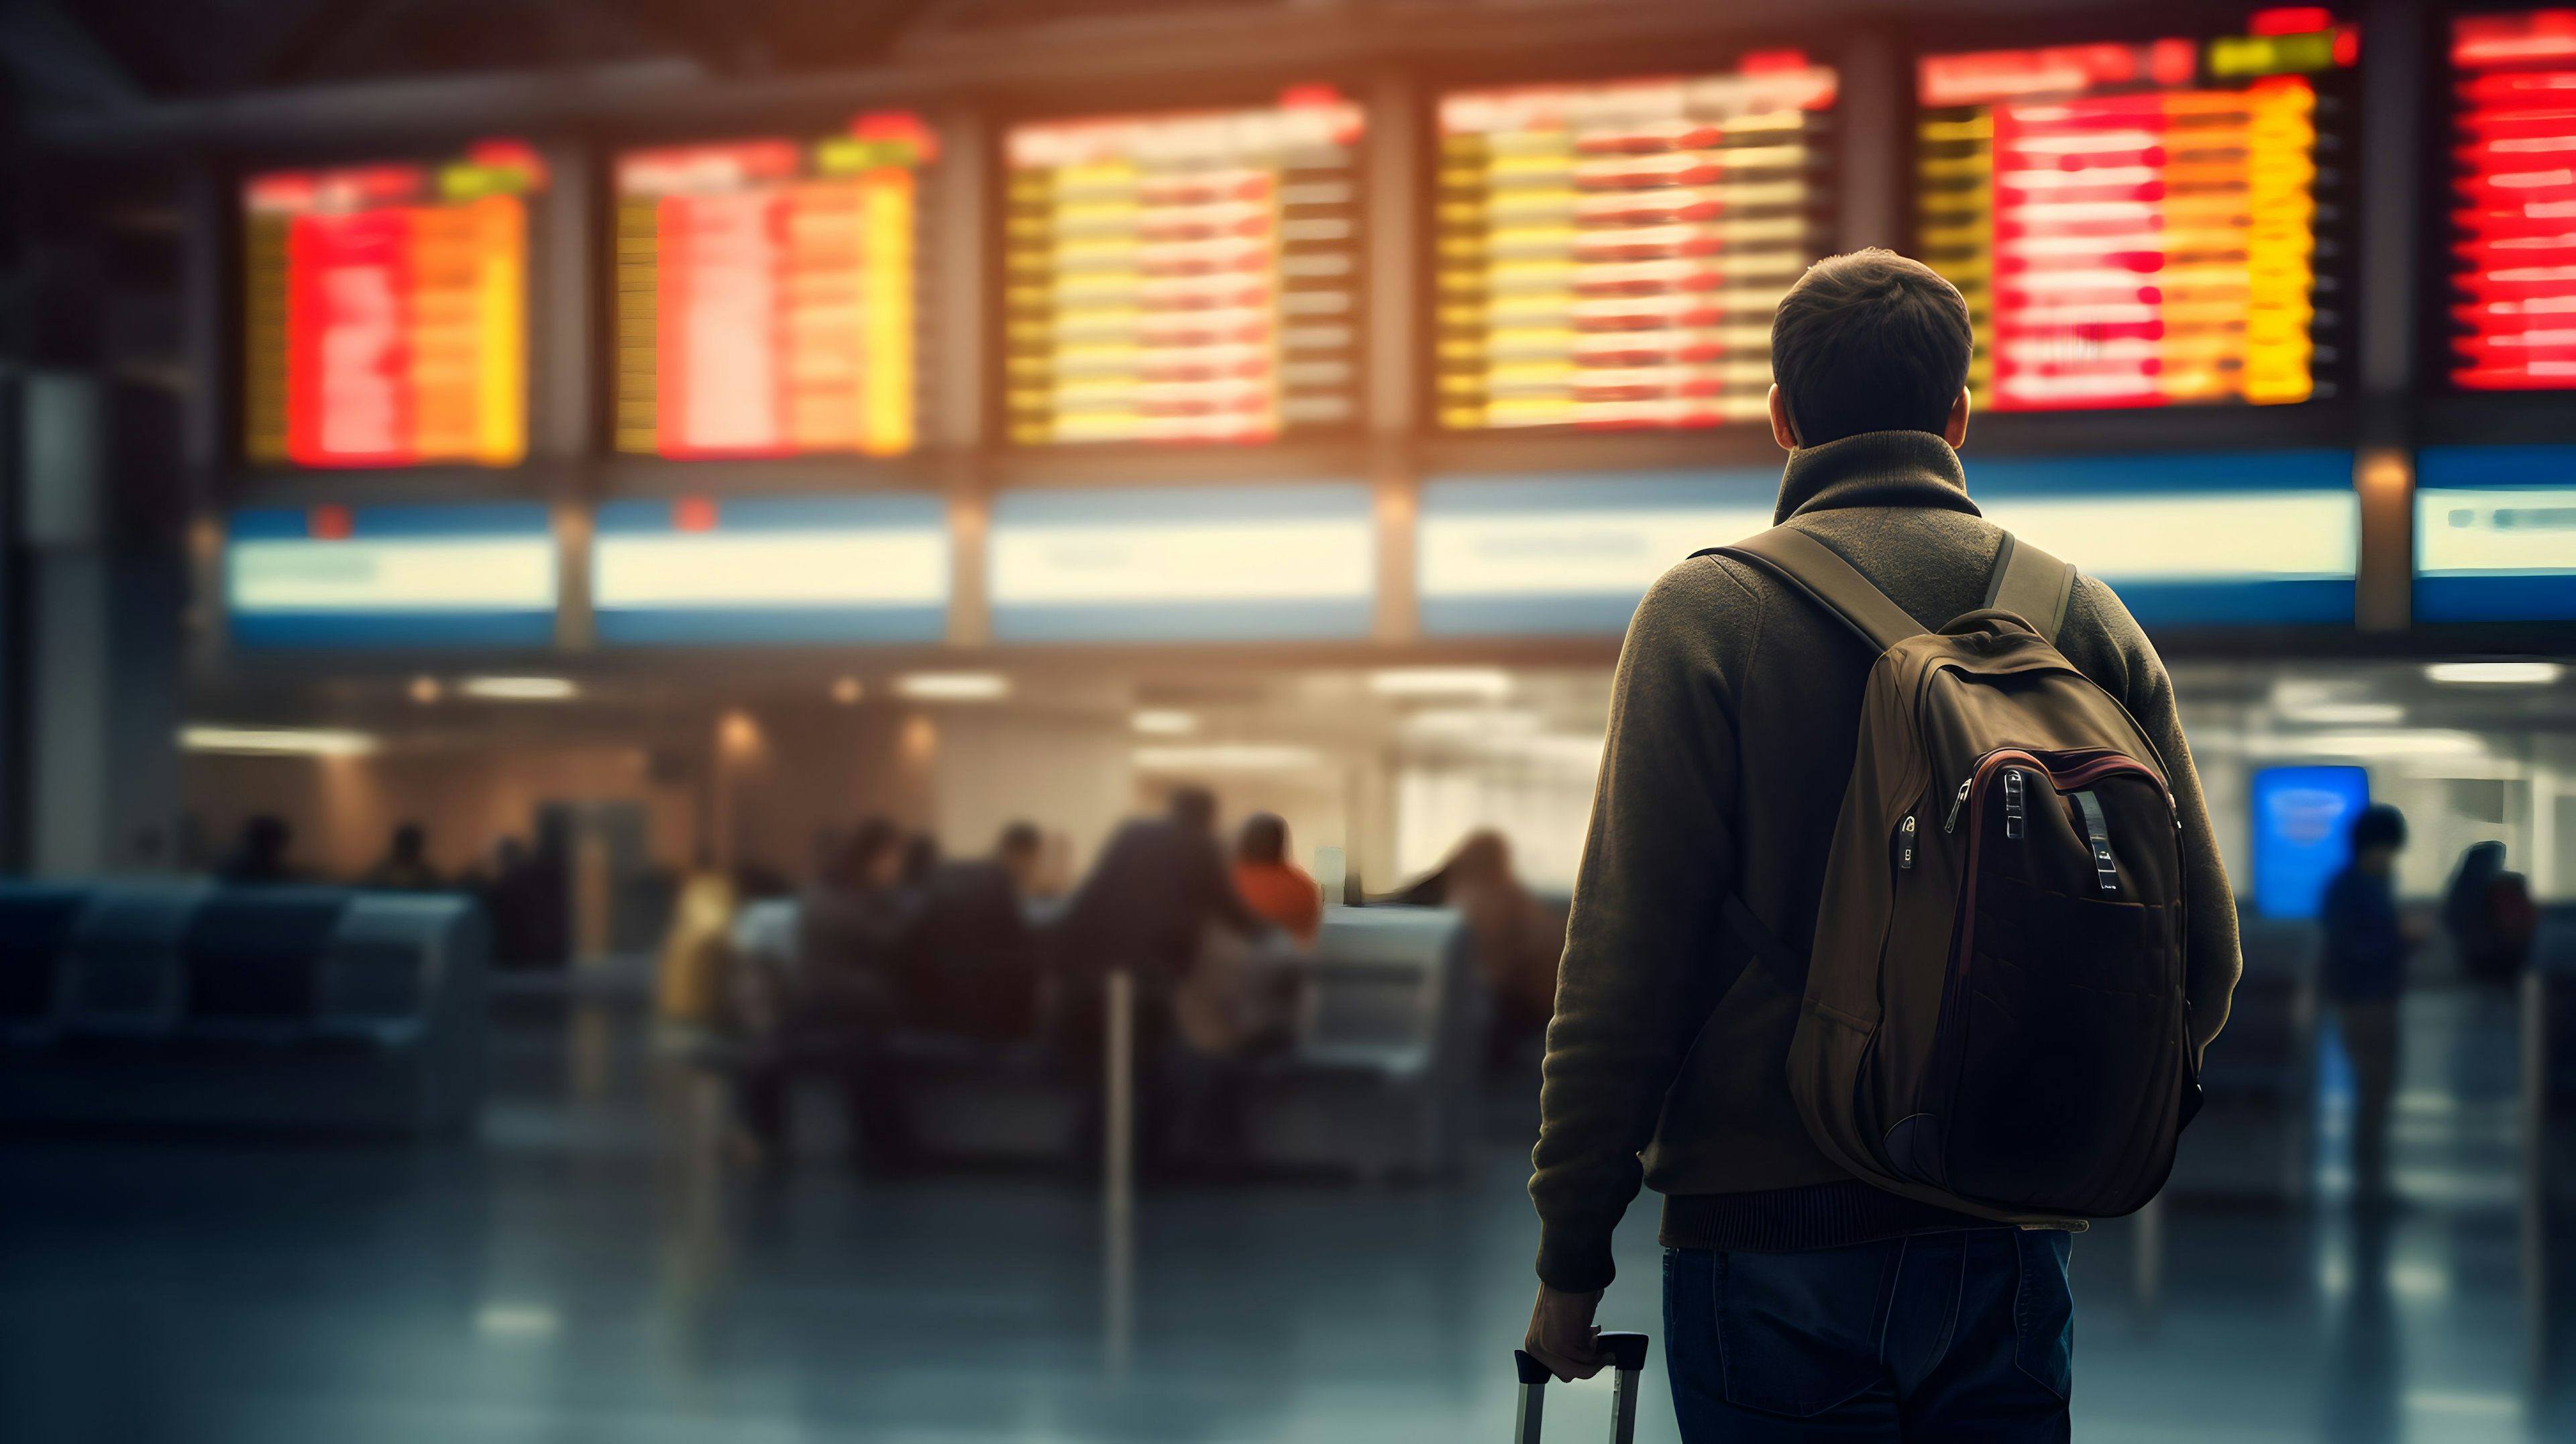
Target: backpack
{"x": 1994, "y": 1018}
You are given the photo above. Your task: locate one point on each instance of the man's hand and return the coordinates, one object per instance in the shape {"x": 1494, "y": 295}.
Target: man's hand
{"x": 1561, "y": 1334}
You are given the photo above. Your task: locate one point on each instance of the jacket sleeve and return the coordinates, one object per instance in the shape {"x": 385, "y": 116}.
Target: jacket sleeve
{"x": 1638, "y": 975}
{"x": 2212, "y": 959}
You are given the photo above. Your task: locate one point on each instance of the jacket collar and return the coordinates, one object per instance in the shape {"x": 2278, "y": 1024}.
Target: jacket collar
{"x": 1875, "y": 468}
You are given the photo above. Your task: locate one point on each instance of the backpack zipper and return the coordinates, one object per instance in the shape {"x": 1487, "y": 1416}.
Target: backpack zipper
{"x": 1951, "y": 823}
{"x": 1905, "y": 843}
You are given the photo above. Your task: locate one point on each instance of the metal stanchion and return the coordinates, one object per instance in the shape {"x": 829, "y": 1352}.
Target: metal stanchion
{"x": 1118, "y": 1174}
{"x": 2535, "y": 1182}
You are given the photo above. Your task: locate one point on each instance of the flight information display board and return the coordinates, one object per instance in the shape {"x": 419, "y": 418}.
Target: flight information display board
{"x": 386, "y": 312}
{"x": 2513, "y": 201}
{"x": 2141, "y": 224}
{"x": 1186, "y": 277}
{"x": 1610, "y": 253}
{"x": 766, "y": 294}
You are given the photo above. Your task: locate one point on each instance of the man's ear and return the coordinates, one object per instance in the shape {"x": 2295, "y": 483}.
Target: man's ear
{"x": 1783, "y": 430}
{"x": 1955, "y": 430}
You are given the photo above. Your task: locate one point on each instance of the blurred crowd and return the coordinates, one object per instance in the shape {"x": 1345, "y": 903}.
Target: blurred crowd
{"x": 894, "y": 940}
{"x": 1008, "y": 954}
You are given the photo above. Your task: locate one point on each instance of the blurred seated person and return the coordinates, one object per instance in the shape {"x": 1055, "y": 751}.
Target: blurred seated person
{"x": 833, "y": 1015}
{"x": 1157, "y": 885}
{"x": 259, "y": 856}
{"x": 406, "y": 866}
{"x": 2490, "y": 915}
{"x": 515, "y": 899}
{"x": 1240, "y": 1006}
{"x": 920, "y": 861}
{"x": 970, "y": 958}
{"x": 1145, "y": 909}
{"x": 1277, "y": 890}
{"x": 1517, "y": 940}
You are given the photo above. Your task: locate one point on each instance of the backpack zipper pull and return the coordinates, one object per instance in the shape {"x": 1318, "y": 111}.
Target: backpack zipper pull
{"x": 1951, "y": 823}
{"x": 1905, "y": 843}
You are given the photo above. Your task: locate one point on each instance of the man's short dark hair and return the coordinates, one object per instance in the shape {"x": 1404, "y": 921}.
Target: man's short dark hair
{"x": 2379, "y": 825}
{"x": 1870, "y": 341}
{"x": 1264, "y": 839}
{"x": 1194, "y": 807}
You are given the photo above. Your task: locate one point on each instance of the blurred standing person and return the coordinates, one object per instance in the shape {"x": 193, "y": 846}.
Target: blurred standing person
{"x": 1147, "y": 905}
{"x": 406, "y": 866}
{"x": 2364, "y": 971}
{"x": 841, "y": 1003}
{"x": 970, "y": 959}
{"x": 2490, "y": 915}
{"x": 1276, "y": 889}
{"x": 259, "y": 856}
{"x": 1516, "y": 947}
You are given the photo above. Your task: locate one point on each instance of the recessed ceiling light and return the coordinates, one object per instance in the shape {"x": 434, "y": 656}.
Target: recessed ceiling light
{"x": 2497, "y": 674}
{"x": 1488, "y": 682}
{"x": 1164, "y": 722}
{"x": 519, "y": 689}
{"x": 2346, "y": 714}
{"x": 953, "y": 686}
{"x": 1227, "y": 757}
{"x": 276, "y": 741}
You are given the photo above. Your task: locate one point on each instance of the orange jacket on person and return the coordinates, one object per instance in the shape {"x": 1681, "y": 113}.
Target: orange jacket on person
{"x": 1282, "y": 893}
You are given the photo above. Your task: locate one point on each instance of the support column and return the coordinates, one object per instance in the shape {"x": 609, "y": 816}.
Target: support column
{"x": 1870, "y": 110}
{"x": 2382, "y": 180}
{"x": 104, "y": 653}
{"x": 1393, "y": 215}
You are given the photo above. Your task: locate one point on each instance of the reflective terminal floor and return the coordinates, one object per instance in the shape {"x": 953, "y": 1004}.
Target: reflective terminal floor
{"x": 589, "y": 1272}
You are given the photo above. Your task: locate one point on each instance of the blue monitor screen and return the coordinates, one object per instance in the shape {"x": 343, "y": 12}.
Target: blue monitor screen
{"x": 2302, "y": 834}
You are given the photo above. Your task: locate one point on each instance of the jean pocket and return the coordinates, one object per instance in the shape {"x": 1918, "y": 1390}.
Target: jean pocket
{"x": 2044, "y": 1309}
{"x": 1798, "y": 1333}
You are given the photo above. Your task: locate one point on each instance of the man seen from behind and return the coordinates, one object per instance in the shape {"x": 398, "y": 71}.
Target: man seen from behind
{"x": 1800, "y": 1301}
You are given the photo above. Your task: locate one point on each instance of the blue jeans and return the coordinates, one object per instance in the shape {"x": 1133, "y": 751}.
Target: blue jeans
{"x": 1966, "y": 1335}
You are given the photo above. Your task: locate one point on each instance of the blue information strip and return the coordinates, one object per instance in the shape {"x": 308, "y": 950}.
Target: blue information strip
{"x": 1569, "y": 555}
{"x": 2495, "y": 534}
{"x": 777, "y": 570}
{"x": 2270, "y": 538}
{"x": 480, "y": 575}
{"x": 1286, "y": 562}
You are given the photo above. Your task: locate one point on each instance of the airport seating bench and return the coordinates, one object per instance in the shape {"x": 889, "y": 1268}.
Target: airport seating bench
{"x": 285, "y": 1007}
{"x": 1379, "y": 1083}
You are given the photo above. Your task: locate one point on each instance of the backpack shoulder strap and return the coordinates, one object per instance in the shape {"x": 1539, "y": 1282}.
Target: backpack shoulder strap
{"x": 2032, "y": 585}
{"x": 1819, "y": 571}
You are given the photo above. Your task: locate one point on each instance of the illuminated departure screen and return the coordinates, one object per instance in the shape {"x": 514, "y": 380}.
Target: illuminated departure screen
{"x": 2142, "y": 224}
{"x": 386, "y": 312}
{"x": 1184, "y": 278}
{"x": 1611, "y": 253}
{"x": 2513, "y": 239}
{"x": 766, "y": 293}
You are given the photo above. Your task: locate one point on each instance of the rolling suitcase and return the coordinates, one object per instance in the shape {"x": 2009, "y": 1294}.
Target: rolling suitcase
{"x": 1627, "y": 1358}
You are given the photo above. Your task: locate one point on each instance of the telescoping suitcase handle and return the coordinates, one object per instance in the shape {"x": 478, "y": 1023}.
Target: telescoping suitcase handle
{"x": 1627, "y": 1358}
